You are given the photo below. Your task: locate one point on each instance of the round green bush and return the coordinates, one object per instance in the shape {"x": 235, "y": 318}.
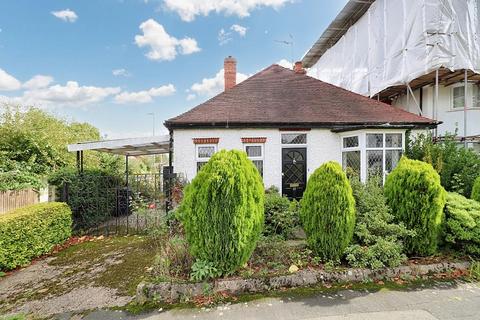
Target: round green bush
{"x": 476, "y": 190}
{"x": 328, "y": 211}
{"x": 223, "y": 211}
{"x": 417, "y": 199}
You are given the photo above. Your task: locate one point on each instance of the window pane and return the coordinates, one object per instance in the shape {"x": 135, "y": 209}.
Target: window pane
{"x": 259, "y": 165}
{"x": 476, "y": 96}
{"x": 351, "y": 162}
{"x": 393, "y": 140}
{"x": 459, "y": 97}
{"x": 374, "y": 163}
{"x": 206, "y": 152}
{"x": 350, "y": 142}
{"x": 254, "y": 151}
{"x": 375, "y": 140}
{"x": 200, "y": 165}
{"x": 392, "y": 157}
{"x": 294, "y": 138}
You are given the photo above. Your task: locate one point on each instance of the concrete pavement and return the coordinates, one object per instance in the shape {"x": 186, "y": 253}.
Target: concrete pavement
{"x": 441, "y": 301}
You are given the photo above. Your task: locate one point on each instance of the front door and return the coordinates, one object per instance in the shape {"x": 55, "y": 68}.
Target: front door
{"x": 294, "y": 172}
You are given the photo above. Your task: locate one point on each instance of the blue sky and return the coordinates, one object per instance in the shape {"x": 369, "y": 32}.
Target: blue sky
{"x": 112, "y": 62}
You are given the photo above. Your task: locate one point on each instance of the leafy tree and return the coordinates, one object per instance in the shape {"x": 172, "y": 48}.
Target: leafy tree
{"x": 222, "y": 211}
{"x": 34, "y": 142}
{"x": 327, "y": 211}
{"x": 417, "y": 198}
{"x": 458, "y": 167}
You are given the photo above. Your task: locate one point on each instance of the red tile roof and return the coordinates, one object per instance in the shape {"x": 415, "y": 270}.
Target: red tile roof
{"x": 278, "y": 97}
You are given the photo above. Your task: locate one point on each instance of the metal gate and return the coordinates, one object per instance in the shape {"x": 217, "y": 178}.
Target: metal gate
{"x": 109, "y": 205}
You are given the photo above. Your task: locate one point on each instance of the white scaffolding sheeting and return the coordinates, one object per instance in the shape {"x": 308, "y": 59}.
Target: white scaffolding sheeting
{"x": 397, "y": 41}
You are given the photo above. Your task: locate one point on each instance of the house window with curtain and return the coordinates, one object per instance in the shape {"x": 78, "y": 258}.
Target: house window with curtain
{"x": 383, "y": 152}
{"x": 203, "y": 154}
{"x": 255, "y": 153}
{"x": 458, "y": 96}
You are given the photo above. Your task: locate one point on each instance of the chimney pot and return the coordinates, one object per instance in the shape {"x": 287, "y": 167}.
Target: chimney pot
{"x": 230, "y": 72}
{"x": 298, "y": 68}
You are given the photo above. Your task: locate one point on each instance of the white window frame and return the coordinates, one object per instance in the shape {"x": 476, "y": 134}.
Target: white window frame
{"x": 384, "y": 150}
{"x": 470, "y": 96}
{"x": 352, "y": 149}
{"x": 199, "y": 159}
{"x": 260, "y": 158}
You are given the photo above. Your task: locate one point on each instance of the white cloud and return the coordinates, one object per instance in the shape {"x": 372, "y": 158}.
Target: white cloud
{"x": 285, "y": 63}
{"x": 189, "y": 9}
{"x": 242, "y": 31}
{"x": 70, "y": 95}
{"x": 145, "y": 96}
{"x": 211, "y": 86}
{"x": 66, "y": 15}
{"x": 162, "y": 45}
{"x": 120, "y": 73}
{"x": 225, "y": 37}
{"x": 191, "y": 97}
{"x": 8, "y": 82}
{"x": 38, "y": 81}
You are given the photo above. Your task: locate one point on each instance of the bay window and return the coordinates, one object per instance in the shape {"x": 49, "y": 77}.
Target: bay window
{"x": 351, "y": 154}
{"x": 383, "y": 151}
{"x": 369, "y": 154}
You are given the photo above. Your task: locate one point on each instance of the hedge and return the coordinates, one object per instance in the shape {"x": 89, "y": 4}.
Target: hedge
{"x": 223, "y": 211}
{"x": 476, "y": 190}
{"x": 417, "y": 199}
{"x": 462, "y": 224}
{"x": 327, "y": 211}
{"x": 31, "y": 231}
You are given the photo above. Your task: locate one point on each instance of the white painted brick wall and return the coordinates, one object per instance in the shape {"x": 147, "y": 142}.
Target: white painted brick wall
{"x": 322, "y": 145}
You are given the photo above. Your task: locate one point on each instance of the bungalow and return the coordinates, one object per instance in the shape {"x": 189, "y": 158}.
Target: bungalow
{"x": 289, "y": 123}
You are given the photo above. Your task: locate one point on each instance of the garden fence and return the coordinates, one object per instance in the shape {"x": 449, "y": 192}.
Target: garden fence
{"x": 107, "y": 205}
{"x": 14, "y": 199}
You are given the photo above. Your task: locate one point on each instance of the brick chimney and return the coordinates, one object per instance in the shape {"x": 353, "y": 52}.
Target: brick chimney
{"x": 230, "y": 72}
{"x": 298, "y": 68}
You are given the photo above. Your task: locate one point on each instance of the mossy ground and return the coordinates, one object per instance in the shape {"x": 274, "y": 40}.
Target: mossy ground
{"x": 117, "y": 263}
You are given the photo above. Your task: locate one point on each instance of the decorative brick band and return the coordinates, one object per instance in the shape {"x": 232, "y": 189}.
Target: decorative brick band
{"x": 206, "y": 140}
{"x": 294, "y": 129}
{"x": 254, "y": 140}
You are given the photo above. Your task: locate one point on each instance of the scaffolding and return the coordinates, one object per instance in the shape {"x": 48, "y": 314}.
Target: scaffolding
{"x": 387, "y": 48}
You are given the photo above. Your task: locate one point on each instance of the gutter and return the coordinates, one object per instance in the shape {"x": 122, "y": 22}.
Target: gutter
{"x": 334, "y": 127}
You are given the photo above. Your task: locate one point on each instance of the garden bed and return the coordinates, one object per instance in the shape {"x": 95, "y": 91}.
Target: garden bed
{"x": 171, "y": 292}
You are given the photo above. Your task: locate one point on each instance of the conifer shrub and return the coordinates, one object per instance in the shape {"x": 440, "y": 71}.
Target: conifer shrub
{"x": 378, "y": 240}
{"x": 223, "y": 211}
{"x": 327, "y": 211}
{"x": 476, "y": 190}
{"x": 417, "y": 199}
{"x": 462, "y": 224}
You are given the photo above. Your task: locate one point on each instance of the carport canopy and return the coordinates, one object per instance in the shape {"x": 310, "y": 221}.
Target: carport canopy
{"x": 126, "y": 147}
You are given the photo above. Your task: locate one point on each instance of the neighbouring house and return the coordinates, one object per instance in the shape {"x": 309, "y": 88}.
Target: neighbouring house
{"x": 422, "y": 56}
{"x": 289, "y": 124}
